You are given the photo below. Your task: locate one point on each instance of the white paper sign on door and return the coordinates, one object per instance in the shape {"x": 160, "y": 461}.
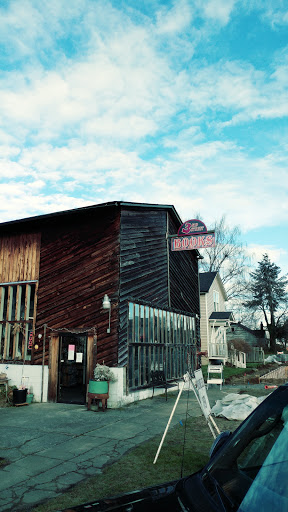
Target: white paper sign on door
{"x": 71, "y": 352}
{"x": 79, "y": 357}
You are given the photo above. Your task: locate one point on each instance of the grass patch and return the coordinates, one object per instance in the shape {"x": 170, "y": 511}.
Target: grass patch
{"x": 228, "y": 371}
{"x": 136, "y": 470}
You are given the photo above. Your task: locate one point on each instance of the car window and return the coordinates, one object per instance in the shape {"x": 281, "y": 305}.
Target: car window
{"x": 269, "y": 490}
{"x": 254, "y": 454}
{"x": 254, "y": 463}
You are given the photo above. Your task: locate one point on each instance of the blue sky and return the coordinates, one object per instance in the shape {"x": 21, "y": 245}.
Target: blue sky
{"x": 181, "y": 103}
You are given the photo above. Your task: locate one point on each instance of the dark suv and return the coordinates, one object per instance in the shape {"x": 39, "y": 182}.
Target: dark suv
{"x": 247, "y": 471}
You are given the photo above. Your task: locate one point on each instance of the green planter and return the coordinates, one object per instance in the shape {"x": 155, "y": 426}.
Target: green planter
{"x": 30, "y": 397}
{"x": 98, "y": 386}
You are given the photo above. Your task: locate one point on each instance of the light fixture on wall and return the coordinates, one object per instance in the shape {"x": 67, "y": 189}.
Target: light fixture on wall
{"x": 106, "y": 304}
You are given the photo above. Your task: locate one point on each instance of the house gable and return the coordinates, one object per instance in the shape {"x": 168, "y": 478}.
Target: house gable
{"x": 239, "y": 332}
{"x": 212, "y": 305}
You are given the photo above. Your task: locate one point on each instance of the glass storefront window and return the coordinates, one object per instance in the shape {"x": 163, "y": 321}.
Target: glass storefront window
{"x": 158, "y": 339}
{"x": 17, "y": 305}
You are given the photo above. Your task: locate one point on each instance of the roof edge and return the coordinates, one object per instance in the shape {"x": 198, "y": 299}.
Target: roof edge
{"x": 92, "y": 207}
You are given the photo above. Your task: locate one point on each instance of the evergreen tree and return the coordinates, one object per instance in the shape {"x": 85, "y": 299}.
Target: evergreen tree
{"x": 269, "y": 295}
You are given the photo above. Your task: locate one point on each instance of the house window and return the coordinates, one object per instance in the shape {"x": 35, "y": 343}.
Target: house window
{"x": 216, "y": 300}
{"x": 17, "y": 311}
{"x": 158, "y": 340}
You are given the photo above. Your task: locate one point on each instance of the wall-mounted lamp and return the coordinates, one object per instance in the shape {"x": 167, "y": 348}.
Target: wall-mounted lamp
{"x": 106, "y": 304}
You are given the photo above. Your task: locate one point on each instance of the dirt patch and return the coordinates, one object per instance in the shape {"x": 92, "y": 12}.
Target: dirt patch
{"x": 251, "y": 375}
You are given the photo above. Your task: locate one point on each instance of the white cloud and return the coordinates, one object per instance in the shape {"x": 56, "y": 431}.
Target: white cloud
{"x": 107, "y": 103}
{"x": 277, "y": 255}
{"x": 218, "y": 10}
{"x": 174, "y": 20}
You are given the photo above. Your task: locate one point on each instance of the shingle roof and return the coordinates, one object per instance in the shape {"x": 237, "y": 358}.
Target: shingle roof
{"x": 206, "y": 280}
{"x": 258, "y": 333}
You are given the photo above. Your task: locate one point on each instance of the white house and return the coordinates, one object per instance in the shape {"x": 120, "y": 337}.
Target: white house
{"x": 214, "y": 317}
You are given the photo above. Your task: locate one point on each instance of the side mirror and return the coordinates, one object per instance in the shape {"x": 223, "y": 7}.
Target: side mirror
{"x": 218, "y": 442}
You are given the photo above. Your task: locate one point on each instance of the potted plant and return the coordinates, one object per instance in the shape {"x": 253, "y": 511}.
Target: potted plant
{"x": 102, "y": 376}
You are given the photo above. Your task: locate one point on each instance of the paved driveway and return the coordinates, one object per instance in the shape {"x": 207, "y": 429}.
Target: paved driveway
{"x": 53, "y": 446}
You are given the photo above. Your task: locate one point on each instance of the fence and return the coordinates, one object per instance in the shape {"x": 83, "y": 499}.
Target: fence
{"x": 218, "y": 350}
{"x": 256, "y": 355}
{"x": 237, "y": 358}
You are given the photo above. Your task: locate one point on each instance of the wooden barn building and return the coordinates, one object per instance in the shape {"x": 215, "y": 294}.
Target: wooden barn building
{"x": 55, "y": 270}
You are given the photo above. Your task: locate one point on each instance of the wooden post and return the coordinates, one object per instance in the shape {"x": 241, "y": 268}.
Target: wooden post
{"x": 91, "y": 356}
{"x": 53, "y": 367}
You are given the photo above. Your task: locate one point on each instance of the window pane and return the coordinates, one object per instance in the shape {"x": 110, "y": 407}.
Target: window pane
{"x": 136, "y": 317}
{"x": 5, "y": 303}
{"x": 22, "y": 308}
{"x": 156, "y": 326}
{"x": 2, "y": 339}
{"x": 142, "y": 310}
{"x": 161, "y": 327}
{"x": 130, "y": 322}
{"x": 146, "y": 325}
{"x": 32, "y": 301}
{"x": 13, "y": 302}
{"x": 151, "y": 326}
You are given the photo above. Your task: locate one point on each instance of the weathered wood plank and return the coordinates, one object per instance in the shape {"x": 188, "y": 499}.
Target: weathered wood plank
{"x": 53, "y": 367}
{"x": 19, "y": 258}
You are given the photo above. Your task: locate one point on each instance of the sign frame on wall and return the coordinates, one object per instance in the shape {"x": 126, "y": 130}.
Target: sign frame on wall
{"x": 192, "y": 234}
{"x": 188, "y": 243}
{"x": 192, "y": 227}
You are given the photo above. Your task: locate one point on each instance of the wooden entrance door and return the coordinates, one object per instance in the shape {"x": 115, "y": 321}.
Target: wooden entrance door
{"x": 72, "y": 367}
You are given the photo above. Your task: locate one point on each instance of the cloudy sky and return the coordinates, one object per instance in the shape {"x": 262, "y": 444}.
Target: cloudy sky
{"x": 181, "y": 103}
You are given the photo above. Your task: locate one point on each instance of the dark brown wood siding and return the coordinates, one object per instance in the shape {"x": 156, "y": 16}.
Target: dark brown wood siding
{"x": 184, "y": 285}
{"x": 79, "y": 264}
{"x": 147, "y": 264}
{"x": 143, "y": 264}
{"x": 184, "y": 280}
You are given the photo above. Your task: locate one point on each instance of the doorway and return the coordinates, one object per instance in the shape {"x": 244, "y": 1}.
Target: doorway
{"x": 72, "y": 369}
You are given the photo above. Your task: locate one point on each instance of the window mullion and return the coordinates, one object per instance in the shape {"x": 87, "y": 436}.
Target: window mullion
{"x": 26, "y": 316}
{"x": 8, "y": 325}
{"x": 17, "y": 323}
{"x": 2, "y": 298}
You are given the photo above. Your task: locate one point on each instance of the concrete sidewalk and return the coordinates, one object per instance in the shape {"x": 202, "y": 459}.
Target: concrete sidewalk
{"x": 53, "y": 446}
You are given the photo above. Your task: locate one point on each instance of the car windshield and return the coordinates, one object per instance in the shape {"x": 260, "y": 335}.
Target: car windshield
{"x": 250, "y": 473}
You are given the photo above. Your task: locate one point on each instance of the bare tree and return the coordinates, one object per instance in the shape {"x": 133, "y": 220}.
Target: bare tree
{"x": 230, "y": 258}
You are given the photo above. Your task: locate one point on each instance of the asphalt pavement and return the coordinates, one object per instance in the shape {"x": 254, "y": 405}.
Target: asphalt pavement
{"x": 51, "y": 447}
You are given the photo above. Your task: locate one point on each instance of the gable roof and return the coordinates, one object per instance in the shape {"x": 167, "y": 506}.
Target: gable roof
{"x": 258, "y": 333}
{"x": 206, "y": 280}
